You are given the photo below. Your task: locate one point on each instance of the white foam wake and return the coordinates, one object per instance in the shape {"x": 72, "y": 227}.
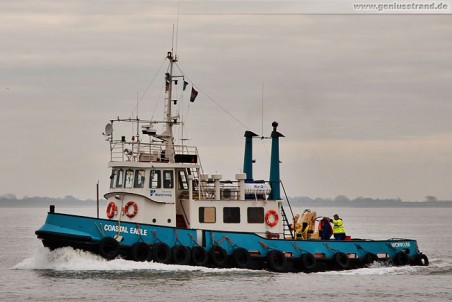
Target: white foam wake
{"x": 68, "y": 259}
{"x": 377, "y": 269}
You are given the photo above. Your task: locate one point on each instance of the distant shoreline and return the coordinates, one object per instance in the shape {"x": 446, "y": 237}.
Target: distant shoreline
{"x": 69, "y": 201}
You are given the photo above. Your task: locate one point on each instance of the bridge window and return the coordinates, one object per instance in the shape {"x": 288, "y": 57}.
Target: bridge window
{"x": 231, "y": 215}
{"x": 207, "y": 215}
{"x": 119, "y": 178}
{"x": 168, "y": 179}
{"x": 183, "y": 184}
{"x": 255, "y": 215}
{"x": 128, "y": 182}
{"x": 155, "y": 179}
{"x": 139, "y": 179}
{"x": 113, "y": 175}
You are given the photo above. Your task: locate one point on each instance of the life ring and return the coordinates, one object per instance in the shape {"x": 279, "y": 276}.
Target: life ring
{"x": 161, "y": 253}
{"x": 111, "y": 210}
{"x": 141, "y": 252}
{"x": 127, "y": 207}
{"x": 271, "y": 223}
{"x": 241, "y": 257}
{"x": 341, "y": 260}
{"x": 276, "y": 261}
{"x": 181, "y": 254}
{"x": 199, "y": 256}
{"x": 218, "y": 255}
{"x": 108, "y": 248}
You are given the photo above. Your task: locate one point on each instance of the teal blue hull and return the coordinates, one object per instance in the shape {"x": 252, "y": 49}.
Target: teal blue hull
{"x": 87, "y": 233}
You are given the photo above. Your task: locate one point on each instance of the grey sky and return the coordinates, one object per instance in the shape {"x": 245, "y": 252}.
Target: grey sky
{"x": 363, "y": 100}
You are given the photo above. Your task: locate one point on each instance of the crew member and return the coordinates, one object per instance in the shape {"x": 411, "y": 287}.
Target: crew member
{"x": 338, "y": 228}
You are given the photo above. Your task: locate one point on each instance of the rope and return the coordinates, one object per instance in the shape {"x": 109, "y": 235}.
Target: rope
{"x": 176, "y": 235}
{"x": 212, "y": 100}
{"x": 360, "y": 248}
{"x": 155, "y": 237}
{"x": 330, "y": 248}
{"x": 100, "y": 229}
{"x": 298, "y": 248}
{"x": 193, "y": 239}
{"x": 139, "y": 232}
{"x": 147, "y": 88}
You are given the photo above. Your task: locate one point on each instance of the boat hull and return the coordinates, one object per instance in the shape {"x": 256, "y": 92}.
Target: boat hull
{"x": 209, "y": 248}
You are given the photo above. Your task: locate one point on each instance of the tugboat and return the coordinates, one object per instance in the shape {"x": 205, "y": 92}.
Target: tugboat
{"x": 162, "y": 207}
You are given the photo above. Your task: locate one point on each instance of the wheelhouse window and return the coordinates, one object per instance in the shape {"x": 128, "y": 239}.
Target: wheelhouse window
{"x": 155, "y": 181}
{"x": 128, "y": 181}
{"x": 207, "y": 215}
{"x": 255, "y": 215}
{"x": 119, "y": 178}
{"x": 139, "y": 179}
{"x": 183, "y": 184}
{"x": 168, "y": 179}
{"x": 231, "y": 215}
{"x": 113, "y": 176}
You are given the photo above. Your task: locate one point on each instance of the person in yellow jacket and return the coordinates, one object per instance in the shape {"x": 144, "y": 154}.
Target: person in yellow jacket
{"x": 338, "y": 228}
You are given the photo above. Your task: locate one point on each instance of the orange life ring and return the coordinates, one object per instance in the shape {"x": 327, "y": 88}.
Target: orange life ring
{"x": 127, "y": 207}
{"x": 111, "y": 210}
{"x": 271, "y": 223}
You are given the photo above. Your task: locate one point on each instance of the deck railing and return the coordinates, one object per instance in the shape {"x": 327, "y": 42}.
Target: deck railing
{"x": 136, "y": 151}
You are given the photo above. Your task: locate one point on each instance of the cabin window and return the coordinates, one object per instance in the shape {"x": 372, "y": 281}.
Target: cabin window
{"x": 207, "y": 215}
{"x": 255, "y": 215}
{"x": 168, "y": 179}
{"x": 128, "y": 182}
{"x": 231, "y": 215}
{"x": 113, "y": 175}
{"x": 155, "y": 179}
{"x": 183, "y": 184}
{"x": 119, "y": 178}
{"x": 139, "y": 179}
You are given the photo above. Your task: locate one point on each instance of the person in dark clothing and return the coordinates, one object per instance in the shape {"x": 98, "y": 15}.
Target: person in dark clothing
{"x": 325, "y": 229}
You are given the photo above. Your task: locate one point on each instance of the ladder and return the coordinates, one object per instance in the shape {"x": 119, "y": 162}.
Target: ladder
{"x": 287, "y": 233}
{"x": 286, "y": 223}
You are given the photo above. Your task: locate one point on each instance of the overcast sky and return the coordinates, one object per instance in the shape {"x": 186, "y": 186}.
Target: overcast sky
{"x": 365, "y": 101}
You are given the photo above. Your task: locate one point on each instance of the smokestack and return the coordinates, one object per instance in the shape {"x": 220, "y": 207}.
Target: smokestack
{"x": 274, "y": 164}
{"x": 248, "y": 158}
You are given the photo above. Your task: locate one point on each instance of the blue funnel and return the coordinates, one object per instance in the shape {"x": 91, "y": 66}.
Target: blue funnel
{"x": 248, "y": 159}
{"x": 275, "y": 179}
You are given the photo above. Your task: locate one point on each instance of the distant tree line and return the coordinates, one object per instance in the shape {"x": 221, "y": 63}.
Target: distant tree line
{"x": 12, "y": 201}
{"x": 342, "y": 200}
{"x": 303, "y": 201}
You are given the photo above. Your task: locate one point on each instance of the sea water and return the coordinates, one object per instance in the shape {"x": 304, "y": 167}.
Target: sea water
{"x": 30, "y": 272}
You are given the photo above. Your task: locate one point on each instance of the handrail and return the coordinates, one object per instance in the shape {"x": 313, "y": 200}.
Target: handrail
{"x": 290, "y": 208}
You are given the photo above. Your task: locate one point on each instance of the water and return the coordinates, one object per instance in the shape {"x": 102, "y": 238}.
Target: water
{"x": 30, "y": 272}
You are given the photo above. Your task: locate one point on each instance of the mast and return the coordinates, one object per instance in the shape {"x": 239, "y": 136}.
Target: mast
{"x": 167, "y": 134}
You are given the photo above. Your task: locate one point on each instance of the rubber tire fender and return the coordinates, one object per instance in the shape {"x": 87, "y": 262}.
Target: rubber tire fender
{"x": 108, "y": 248}
{"x": 199, "y": 256}
{"x": 422, "y": 260}
{"x": 181, "y": 254}
{"x": 276, "y": 261}
{"x": 308, "y": 261}
{"x": 401, "y": 258}
{"x": 241, "y": 257}
{"x": 161, "y": 253}
{"x": 341, "y": 260}
{"x": 141, "y": 252}
{"x": 218, "y": 255}
{"x": 370, "y": 258}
